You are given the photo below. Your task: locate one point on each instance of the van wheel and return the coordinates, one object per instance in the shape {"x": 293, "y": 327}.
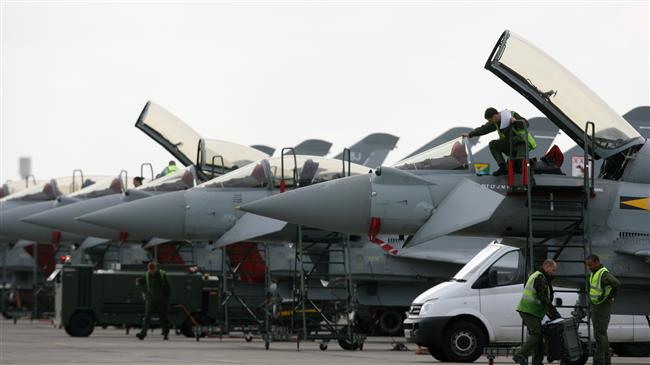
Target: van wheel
{"x": 463, "y": 342}
{"x": 631, "y": 350}
{"x": 81, "y": 325}
{"x": 390, "y": 323}
{"x": 437, "y": 353}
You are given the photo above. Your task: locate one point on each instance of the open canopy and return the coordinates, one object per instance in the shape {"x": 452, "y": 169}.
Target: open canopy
{"x": 561, "y": 96}
{"x": 188, "y": 147}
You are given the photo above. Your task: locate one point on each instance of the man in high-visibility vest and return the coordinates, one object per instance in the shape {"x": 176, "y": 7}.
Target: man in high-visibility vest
{"x": 171, "y": 167}
{"x": 502, "y": 122}
{"x": 536, "y": 301}
{"x": 603, "y": 287}
{"x": 156, "y": 292}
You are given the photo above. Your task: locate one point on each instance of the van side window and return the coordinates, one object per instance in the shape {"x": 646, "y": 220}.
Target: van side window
{"x": 506, "y": 271}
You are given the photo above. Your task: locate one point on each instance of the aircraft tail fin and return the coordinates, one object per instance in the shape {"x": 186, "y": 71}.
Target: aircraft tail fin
{"x": 639, "y": 118}
{"x": 266, "y": 149}
{"x": 372, "y": 150}
{"x": 313, "y": 147}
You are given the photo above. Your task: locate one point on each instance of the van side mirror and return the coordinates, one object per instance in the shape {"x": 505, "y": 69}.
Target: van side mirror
{"x": 481, "y": 283}
{"x": 558, "y": 302}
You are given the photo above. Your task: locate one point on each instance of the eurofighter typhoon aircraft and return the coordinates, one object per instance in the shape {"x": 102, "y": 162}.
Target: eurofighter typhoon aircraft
{"x": 435, "y": 193}
{"x": 213, "y": 158}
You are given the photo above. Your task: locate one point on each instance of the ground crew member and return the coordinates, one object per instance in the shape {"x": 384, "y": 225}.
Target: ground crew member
{"x": 603, "y": 287}
{"x": 502, "y": 122}
{"x": 536, "y": 301}
{"x": 156, "y": 289}
{"x": 171, "y": 167}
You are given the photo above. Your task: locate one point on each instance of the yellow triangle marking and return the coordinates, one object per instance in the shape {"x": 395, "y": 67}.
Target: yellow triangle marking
{"x": 642, "y": 203}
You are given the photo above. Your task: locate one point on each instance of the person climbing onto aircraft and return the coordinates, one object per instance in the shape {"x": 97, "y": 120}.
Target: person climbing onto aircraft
{"x": 502, "y": 122}
{"x": 603, "y": 287}
{"x": 536, "y": 301}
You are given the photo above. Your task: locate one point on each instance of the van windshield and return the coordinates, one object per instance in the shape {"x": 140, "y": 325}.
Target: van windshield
{"x": 470, "y": 268}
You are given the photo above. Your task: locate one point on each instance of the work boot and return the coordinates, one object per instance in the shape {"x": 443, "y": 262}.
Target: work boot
{"x": 503, "y": 169}
{"x": 140, "y": 336}
{"x": 520, "y": 360}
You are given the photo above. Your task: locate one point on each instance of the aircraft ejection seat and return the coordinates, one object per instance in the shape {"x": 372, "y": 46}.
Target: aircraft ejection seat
{"x": 308, "y": 172}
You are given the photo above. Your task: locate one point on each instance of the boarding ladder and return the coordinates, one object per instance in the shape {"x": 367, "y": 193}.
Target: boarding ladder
{"x": 313, "y": 314}
{"x": 559, "y": 226}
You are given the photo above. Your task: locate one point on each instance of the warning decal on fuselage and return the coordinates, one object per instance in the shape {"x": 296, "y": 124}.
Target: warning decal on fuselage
{"x": 634, "y": 203}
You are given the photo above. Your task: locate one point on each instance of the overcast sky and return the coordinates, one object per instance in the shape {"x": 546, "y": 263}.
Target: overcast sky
{"x": 75, "y": 76}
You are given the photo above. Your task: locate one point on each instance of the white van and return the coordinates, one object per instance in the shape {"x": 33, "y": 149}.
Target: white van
{"x": 458, "y": 318}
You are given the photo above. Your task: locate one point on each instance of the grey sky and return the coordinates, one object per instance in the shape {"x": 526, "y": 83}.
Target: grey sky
{"x": 76, "y": 75}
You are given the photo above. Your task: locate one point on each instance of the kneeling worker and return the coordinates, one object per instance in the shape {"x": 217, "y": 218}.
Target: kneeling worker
{"x": 536, "y": 301}
{"x": 157, "y": 291}
{"x": 603, "y": 287}
{"x": 502, "y": 122}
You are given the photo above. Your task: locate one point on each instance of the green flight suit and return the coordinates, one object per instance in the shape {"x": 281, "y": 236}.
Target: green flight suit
{"x": 157, "y": 291}
{"x": 500, "y": 147}
{"x": 600, "y": 316}
{"x": 543, "y": 292}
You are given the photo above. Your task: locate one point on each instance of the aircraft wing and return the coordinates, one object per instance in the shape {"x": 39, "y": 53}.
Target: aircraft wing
{"x": 454, "y": 257}
{"x": 249, "y": 226}
{"x": 451, "y": 215}
{"x": 635, "y": 251}
{"x": 91, "y": 242}
{"x": 155, "y": 242}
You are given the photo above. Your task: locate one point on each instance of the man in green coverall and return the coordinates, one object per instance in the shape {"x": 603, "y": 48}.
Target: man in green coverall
{"x": 502, "y": 122}
{"x": 603, "y": 287}
{"x": 156, "y": 290}
{"x": 536, "y": 301}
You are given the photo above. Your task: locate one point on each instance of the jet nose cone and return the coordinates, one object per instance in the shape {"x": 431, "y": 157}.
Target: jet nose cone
{"x": 50, "y": 218}
{"x": 63, "y": 218}
{"x": 341, "y": 205}
{"x": 158, "y": 216}
{"x": 12, "y": 225}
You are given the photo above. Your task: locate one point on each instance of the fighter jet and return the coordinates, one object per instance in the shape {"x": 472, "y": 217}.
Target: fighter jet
{"x": 14, "y": 227}
{"x": 214, "y": 157}
{"x": 434, "y": 193}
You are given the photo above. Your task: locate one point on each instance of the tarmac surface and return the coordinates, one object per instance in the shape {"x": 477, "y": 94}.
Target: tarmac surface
{"x": 39, "y": 342}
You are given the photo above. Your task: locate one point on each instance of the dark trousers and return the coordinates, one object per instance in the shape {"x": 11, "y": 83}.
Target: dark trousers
{"x": 534, "y": 344}
{"x": 501, "y": 147}
{"x": 600, "y": 315}
{"x": 160, "y": 307}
